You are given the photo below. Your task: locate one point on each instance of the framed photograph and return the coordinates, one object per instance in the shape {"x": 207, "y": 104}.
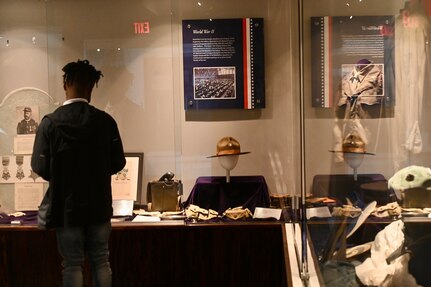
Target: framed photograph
{"x": 27, "y": 118}
{"x": 127, "y": 183}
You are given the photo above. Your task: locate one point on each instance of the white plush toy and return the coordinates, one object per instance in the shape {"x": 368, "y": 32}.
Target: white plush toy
{"x": 411, "y": 177}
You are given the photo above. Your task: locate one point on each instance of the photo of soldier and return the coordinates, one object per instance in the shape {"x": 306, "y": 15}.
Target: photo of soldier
{"x": 364, "y": 83}
{"x": 27, "y": 125}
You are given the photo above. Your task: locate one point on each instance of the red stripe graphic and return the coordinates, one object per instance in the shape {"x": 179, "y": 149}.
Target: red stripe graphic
{"x": 330, "y": 95}
{"x": 245, "y": 67}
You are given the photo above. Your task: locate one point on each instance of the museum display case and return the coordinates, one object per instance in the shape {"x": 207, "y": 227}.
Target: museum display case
{"x": 327, "y": 98}
{"x": 365, "y": 80}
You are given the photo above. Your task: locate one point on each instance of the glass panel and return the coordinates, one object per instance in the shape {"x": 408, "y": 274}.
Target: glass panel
{"x": 132, "y": 46}
{"x": 270, "y": 134}
{"x": 366, "y": 76}
{"x": 138, "y": 47}
{"x": 23, "y": 87}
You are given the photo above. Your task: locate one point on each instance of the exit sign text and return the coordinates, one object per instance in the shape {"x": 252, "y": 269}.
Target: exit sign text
{"x": 142, "y": 27}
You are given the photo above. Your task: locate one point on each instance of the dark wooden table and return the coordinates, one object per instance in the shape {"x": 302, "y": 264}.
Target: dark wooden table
{"x": 169, "y": 253}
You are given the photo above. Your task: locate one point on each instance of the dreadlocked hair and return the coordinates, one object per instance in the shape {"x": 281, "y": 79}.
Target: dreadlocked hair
{"x": 81, "y": 73}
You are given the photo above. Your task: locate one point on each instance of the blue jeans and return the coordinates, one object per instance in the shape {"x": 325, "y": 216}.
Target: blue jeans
{"x": 76, "y": 242}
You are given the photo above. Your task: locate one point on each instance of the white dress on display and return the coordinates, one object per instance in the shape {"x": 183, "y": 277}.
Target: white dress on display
{"x": 412, "y": 63}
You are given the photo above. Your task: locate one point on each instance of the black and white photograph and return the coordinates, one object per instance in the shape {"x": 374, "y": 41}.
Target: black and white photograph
{"x": 363, "y": 80}
{"x": 27, "y": 119}
{"x": 214, "y": 83}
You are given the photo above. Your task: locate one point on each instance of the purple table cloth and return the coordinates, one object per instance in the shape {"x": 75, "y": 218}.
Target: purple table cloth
{"x": 213, "y": 192}
{"x": 29, "y": 218}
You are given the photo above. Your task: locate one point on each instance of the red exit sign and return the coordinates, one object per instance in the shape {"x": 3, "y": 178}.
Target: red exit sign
{"x": 142, "y": 27}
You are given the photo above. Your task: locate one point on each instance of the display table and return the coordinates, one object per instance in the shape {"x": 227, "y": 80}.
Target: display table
{"x": 168, "y": 253}
{"x": 213, "y": 192}
{"x": 342, "y": 186}
{"x": 174, "y": 253}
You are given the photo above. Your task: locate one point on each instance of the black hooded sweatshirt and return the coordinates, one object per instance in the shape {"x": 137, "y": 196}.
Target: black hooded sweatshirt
{"x": 77, "y": 148}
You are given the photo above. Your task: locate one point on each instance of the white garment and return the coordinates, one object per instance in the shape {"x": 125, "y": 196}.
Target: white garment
{"x": 375, "y": 271}
{"x": 412, "y": 33}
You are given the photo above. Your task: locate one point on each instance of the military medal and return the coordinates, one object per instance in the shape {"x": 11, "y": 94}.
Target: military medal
{"x": 19, "y": 171}
{"x": 5, "y": 162}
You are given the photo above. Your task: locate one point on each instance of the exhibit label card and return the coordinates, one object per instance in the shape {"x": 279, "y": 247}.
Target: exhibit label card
{"x": 223, "y": 63}
{"x": 28, "y": 196}
{"x": 125, "y": 182}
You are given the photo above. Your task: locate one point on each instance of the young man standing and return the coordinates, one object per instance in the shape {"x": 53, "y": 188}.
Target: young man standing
{"x": 77, "y": 148}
